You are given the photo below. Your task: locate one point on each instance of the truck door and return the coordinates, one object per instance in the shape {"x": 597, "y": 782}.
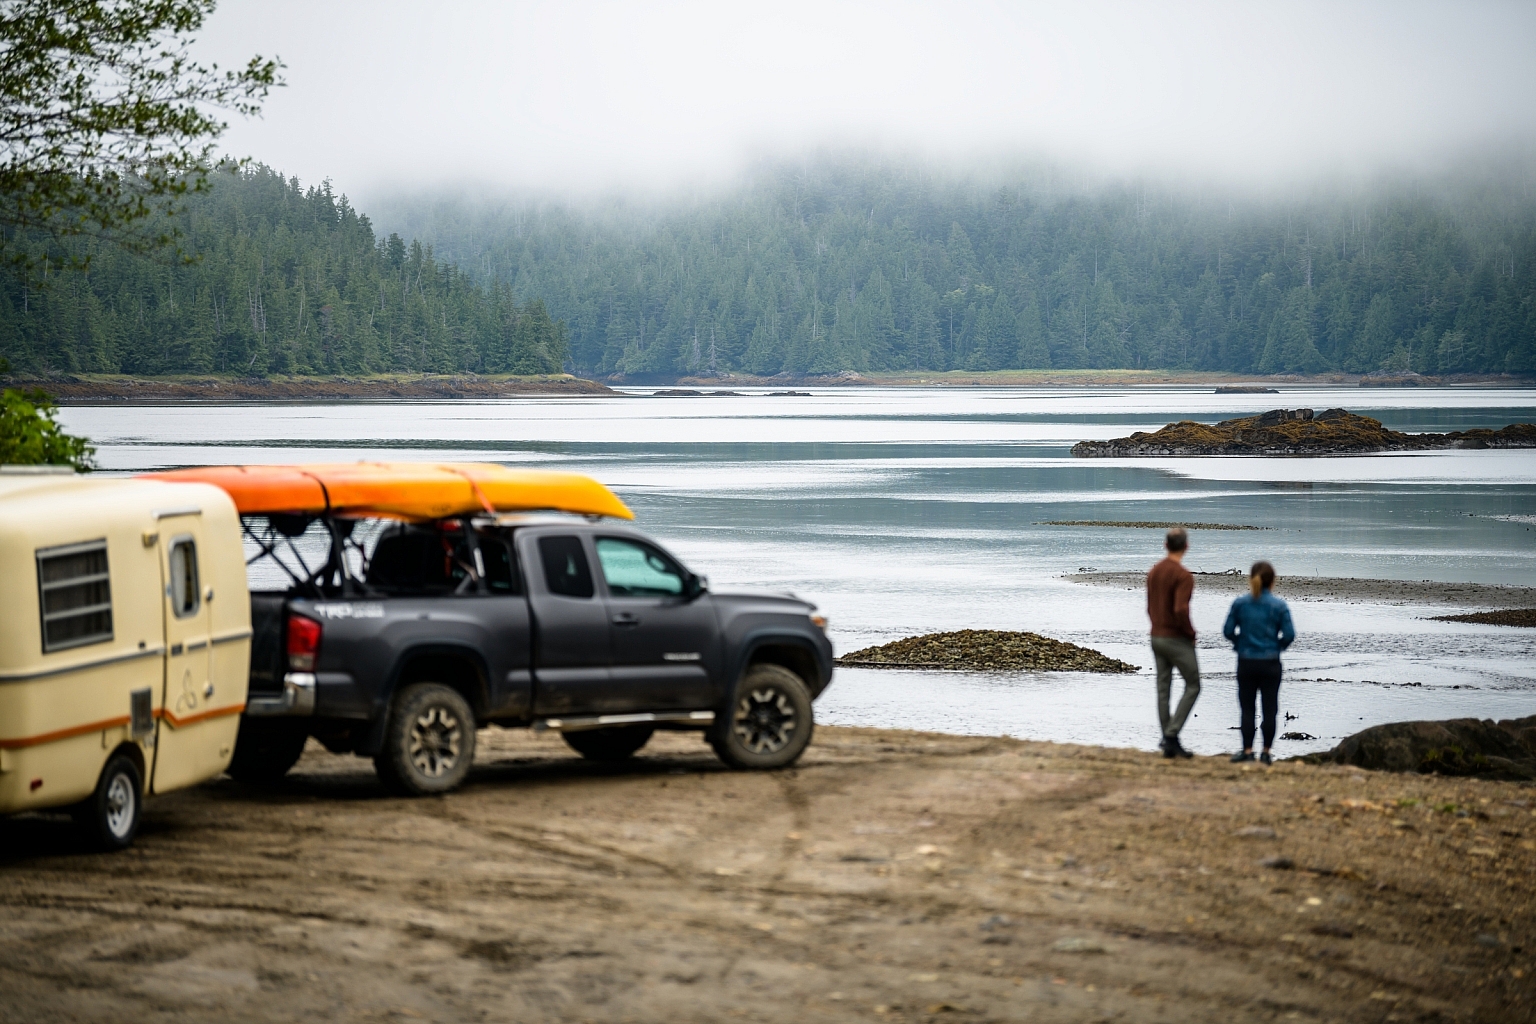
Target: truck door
{"x": 570, "y": 649}
{"x": 665, "y": 643}
{"x": 188, "y": 741}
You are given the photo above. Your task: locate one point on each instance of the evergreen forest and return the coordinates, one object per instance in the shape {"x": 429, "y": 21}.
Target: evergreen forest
{"x": 272, "y": 278}
{"x": 815, "y": 268}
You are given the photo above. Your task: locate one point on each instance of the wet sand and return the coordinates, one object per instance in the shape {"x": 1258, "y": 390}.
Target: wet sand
{"x": 892, "y": 876}
{"x": 1348, "y": 591}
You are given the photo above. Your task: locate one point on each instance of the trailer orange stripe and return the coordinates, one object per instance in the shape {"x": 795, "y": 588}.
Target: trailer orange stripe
{"x": 64, "y": 734}
{"x": 113, "y": 723}
{"x": 202, "y": 716}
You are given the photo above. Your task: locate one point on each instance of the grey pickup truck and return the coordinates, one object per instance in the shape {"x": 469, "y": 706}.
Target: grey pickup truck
{"x": 395, "y": 641}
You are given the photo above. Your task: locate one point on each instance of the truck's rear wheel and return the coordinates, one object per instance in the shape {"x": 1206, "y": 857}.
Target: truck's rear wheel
{"x": 429, "y": 742}
{"x": 265, "y": 752}
{"x": 612, "y": 744}
{"x": 768, "y": 723}
{"x": 109, "y": 818}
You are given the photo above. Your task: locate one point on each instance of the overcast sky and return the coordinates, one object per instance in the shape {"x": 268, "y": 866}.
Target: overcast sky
{"x": 401, "y": 96}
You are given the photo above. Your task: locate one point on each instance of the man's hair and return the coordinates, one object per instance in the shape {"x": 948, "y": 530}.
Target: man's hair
{"x": 1265, "y": 572}
{"x": 1177, "y": 539}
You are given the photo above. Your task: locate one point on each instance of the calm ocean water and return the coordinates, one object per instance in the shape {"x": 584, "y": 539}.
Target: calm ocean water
{"x": 904, "y": 511}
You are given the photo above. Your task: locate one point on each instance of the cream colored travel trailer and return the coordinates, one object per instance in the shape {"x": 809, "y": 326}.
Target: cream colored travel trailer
{"x": 124, "y": 643}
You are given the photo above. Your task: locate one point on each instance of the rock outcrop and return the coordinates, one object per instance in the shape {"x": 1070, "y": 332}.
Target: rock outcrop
{"x": 1460, "y": 746}
{"x": 1299, "y": 432}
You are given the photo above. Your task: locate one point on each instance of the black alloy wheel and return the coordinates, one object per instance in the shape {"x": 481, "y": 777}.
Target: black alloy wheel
{"x": 429, "y": 742}
{"x": 768, "y": 723}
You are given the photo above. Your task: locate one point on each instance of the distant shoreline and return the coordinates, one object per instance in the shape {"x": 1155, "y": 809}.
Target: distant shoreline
{"x": 86, "y": 388}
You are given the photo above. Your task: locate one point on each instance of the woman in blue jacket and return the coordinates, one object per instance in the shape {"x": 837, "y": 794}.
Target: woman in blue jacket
{"x": 1259, "y": 626}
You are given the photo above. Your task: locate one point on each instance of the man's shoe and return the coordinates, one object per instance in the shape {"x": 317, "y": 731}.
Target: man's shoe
{"x": 1241, "y": 756}
{"x": 1264, "y": 758}
{"x": 1182, "y": 750}
{"x": 1169, "y": 747}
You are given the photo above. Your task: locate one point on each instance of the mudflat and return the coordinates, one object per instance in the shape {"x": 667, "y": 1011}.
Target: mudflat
{"x": 1333, "y": 588}
{"x": 891, "y": 876}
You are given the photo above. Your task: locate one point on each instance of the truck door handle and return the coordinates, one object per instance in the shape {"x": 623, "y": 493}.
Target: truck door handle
{"x": 626, "y": 619}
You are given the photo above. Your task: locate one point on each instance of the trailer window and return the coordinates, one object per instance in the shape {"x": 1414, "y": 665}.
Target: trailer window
{"x": 74, "y": 595}
{"x": 186, "y": 597}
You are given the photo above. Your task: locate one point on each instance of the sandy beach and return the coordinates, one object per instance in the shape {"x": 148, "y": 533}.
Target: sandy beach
{"x": 892, "y": 876}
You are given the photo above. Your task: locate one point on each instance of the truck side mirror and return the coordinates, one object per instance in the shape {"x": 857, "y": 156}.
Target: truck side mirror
{"x": 695, "y": 585}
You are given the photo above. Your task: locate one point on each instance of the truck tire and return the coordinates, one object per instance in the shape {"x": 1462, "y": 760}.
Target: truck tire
{"x": 108, "y": 819}
{"x": 612, "y": 744}
{"x": 429, "y": 741}
{"x": 768, "y": 722}
{"x": 264, "y": 753}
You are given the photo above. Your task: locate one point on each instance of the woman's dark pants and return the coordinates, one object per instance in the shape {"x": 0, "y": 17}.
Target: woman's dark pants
{"x": 1257, "y": 676}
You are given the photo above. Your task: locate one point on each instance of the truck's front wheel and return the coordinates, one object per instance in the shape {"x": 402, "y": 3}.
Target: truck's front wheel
{"x": 613, "y": 744}
{"x": 768, "y": 722}
{"x": 429, "y": 741}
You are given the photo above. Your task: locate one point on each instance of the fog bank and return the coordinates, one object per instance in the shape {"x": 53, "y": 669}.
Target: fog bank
{"x": 386, "y": 97}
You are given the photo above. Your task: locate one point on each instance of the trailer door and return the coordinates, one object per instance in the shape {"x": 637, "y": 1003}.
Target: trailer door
{"x": 193, "y": 721}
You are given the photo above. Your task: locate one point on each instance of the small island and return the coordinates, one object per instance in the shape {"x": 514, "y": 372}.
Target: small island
{"x": 1299, "y": 432}
{"x": 985, "y": 650}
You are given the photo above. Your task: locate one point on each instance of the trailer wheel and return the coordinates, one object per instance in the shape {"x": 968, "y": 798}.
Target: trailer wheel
{"x": 613, "y": 744}
{"x": 109, "y": 817}
{"x": 429, "y": 741}
{"x": 265, "y": 753}
{"x": 768, "y": 722}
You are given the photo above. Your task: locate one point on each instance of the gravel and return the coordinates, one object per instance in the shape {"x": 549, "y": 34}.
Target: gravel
{"x": 986, "y": 650}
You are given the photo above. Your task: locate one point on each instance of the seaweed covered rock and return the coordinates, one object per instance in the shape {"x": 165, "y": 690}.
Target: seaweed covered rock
{"x": 1299, "y": 432}
{"x": 1498, "y": 617}
{"x": 985, "y": 650}
{"x": 1459, "y": 746}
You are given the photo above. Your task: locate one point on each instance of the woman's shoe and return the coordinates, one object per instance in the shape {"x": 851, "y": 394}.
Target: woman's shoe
{"x": 1264, "y": 758}
{"x": 1241, "y": 756}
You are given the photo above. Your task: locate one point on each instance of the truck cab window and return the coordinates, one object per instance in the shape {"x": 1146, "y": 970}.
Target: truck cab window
{"x": 408, "y": 559}
{"x": 500, "y": 566}
{"x": 632, "y": 569}
{"x": 565, "y": 566}
{"x": 186, "y": 596}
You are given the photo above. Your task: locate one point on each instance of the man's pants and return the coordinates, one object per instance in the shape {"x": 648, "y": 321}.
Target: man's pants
{"x": 1175, "y": 652}
{"x": 1257, "y": 676}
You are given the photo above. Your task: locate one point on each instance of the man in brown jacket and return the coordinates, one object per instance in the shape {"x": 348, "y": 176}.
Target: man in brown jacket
{"x": 1169, "y": 587}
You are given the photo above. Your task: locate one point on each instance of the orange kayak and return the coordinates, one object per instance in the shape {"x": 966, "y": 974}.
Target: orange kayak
{"x": 404, "y": 490}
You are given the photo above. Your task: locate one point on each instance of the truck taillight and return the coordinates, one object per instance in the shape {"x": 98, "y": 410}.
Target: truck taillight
{"x": 303, "y": 643}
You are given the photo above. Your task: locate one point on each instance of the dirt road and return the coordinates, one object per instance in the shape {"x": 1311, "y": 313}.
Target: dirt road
{"x": 891, "y": 877}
